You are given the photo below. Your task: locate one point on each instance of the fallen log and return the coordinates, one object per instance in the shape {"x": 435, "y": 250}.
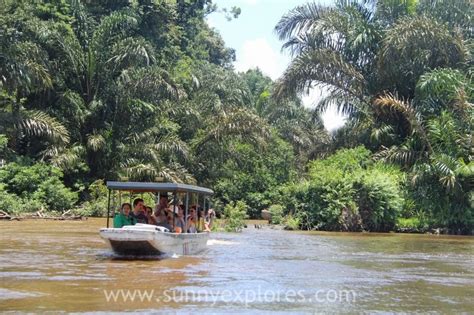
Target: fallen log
{"x": 4, "y": 215}
{"x": 69, "y": 218}
{"x": 34, "y": 216}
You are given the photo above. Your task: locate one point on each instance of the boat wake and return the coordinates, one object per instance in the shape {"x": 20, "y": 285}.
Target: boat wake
{"x": 220, "y": 242}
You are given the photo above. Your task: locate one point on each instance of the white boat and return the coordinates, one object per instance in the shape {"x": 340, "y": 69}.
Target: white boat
{"x": 146, "y": 239}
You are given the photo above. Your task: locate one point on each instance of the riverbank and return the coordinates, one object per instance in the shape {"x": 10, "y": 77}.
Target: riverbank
{"x": 219, "y": 224}
{"x": 41, "y": 215}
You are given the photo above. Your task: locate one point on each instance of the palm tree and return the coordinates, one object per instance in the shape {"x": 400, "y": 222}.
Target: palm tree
{"x": 216, "y": 112}
{"x": 117, "y": 93}
{"x": 334, "y": 48}
{"x": 414, "y": 46}
{"x": 357, "y": 52}
{"x": 23, "y": 70}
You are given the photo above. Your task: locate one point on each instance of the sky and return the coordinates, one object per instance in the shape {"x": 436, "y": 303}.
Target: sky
{"x": 257, "y": 45}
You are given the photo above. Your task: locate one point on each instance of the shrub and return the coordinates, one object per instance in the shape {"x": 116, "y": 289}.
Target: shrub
{"x": 253, "y": 174}
{"x": 379, "y": 199}
{"x": 13, "y": 204}
{"x": 36, "y": 186}
{"x": 31, "y": 205}
{"x": 413, "y": 224}
{"x": 3, "y": 142}
{"x": 55, "y": 195}
{"x": 446, "y": 206}
{"x": 291, "y": 222}
{"x": 343, "y": 162}
{"x": 277, "y": 213}
{"x": 92, "y": 209}
{"x": 8, "y": 202}
{"x": 97, "y": 205}
{"x": 348, "y": 192}
{"x": 235, "y": 214}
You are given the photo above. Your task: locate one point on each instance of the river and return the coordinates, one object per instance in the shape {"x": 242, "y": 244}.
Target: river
{"x": 66, "y": 267}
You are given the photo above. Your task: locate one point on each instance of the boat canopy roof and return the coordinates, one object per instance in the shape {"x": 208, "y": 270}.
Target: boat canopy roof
{"x": 158, "y": 187}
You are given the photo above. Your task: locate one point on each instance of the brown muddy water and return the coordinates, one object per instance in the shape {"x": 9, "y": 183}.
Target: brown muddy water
{"x": 66, "y": 267}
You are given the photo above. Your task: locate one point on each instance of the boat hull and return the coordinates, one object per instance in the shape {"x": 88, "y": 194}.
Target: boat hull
{"x": 146, "y": 240}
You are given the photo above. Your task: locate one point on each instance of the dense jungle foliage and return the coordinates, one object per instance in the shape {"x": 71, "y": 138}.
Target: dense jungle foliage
{"x": 145, "y": 90}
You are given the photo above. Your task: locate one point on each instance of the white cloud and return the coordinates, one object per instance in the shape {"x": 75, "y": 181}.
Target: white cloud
{"x": 332, "y": 119}
{"x": 311, "y": 99}
{"x": 258, "y": 53}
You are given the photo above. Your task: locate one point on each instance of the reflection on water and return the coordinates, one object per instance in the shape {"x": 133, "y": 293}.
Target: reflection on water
{"x": 65, "y": 266}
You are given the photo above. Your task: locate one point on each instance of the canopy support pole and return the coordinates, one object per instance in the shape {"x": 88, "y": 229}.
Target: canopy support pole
{"x": 114, "y": 204}
{"x": 196, "y": 213}
{"x": 174, "y": 207}
{"x": 201, "y": 221}
{"x": 108, "y": 209}
{"x": 186, "y": 212}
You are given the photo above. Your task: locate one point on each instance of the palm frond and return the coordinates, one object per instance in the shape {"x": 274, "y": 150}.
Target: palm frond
{"x": 325, "y": 68}
{"x": 135, "y": 170}
{"x": 445, "y": 167}
{"x": 66, "y": 158}
{"x": 150, "y": 84}
{"x": 132, "y": 52}
{"x": 172, "y": 144}
{"x": 343, "y": 102}
{"x": 173, "y": 172}
{"x": 118, "y": 24}
{"x": 406, "y": 154}
{"x": 300, "y": 20}
{"x": 37, "y": 123}
{"x": 95, "y": 142}
{"x": 239, "y": 122}
{"x": 381, "y": 133}
{"x": 177, "y": 173}
{"x": 391, "y": 104}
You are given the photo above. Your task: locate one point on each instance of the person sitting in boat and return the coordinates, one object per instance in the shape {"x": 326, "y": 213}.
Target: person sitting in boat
{"x": 149, "y": 215}
{"x": 161, "y": 216}
{"x": 162, "y": 205}
{"x": 179, "y": 224}
{"x": 192, "y": 212}
{"x": 201, "y": 219}
{"x": 209, "y": 220}
{"x": 191, "y": 222}
{"x": 139, "y": 211}
{"x": 124, "y": 218}
{"x": 168, "y": 223}
{"x": 173, "y": 219}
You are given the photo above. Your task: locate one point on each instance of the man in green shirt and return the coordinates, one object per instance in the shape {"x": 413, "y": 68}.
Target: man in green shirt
{"x": 124, "y": 217}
